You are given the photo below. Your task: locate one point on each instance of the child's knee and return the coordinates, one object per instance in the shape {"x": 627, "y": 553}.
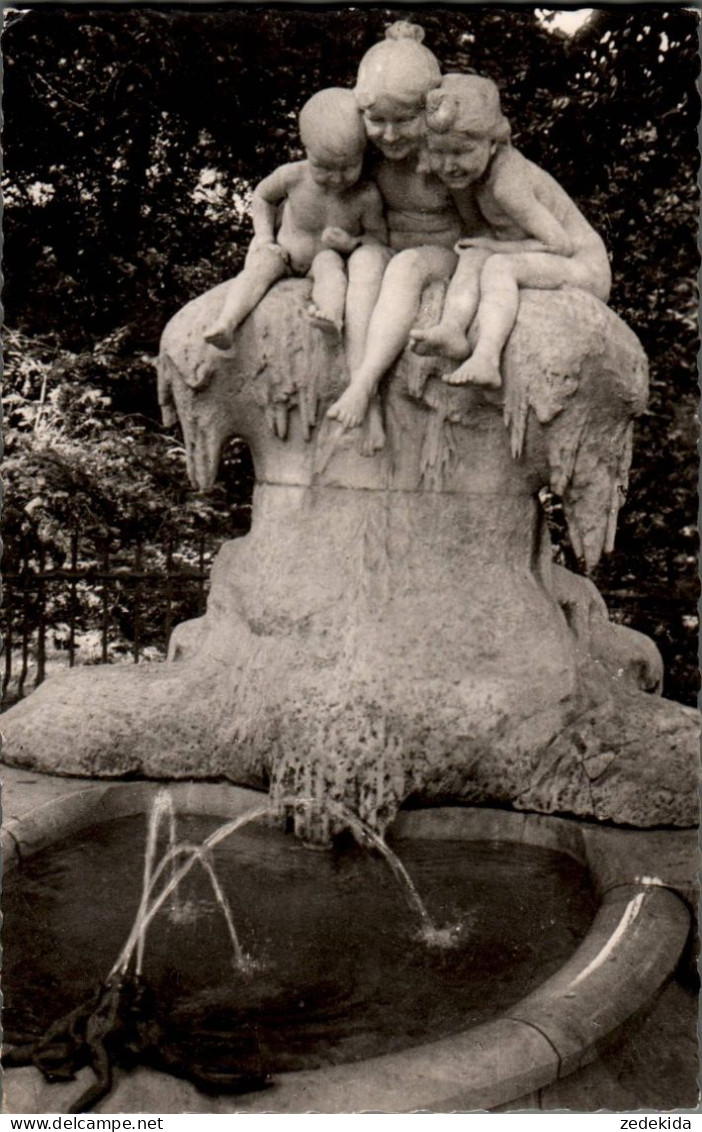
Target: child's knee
{"x": 368, "y": 263}
{"x": 601, "y": 282}
{"x": 498, "y": 271}
{"x": 327, "y": 262}
{"x": 473, "y": 259}
{"x": 406, "y": 267}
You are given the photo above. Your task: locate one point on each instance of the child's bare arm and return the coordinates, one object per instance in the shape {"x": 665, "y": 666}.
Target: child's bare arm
{"x": 515, "y": 196}
{"x": 472, "y": 220}
{"x": 375, "y": 229}
{"x": 338, "y": 240}
{"x": 271, "y": 192}
{"x": 506, "y": 247}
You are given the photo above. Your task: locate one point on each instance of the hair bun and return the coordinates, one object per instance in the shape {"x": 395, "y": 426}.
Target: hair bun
{"x": 399, "y": 67}
{"x": 403, "y": 29}
{"x": 467, "y": 104}
{"x": 442, "y": 109}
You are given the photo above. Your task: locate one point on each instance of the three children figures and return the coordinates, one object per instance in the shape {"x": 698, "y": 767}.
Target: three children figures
{"x": 445, "y": 148}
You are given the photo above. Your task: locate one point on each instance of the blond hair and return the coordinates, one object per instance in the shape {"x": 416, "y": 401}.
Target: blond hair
{"x": 331, "y": 121}
{"x": 467, "y": 104}
{"x": 399, "y": 68}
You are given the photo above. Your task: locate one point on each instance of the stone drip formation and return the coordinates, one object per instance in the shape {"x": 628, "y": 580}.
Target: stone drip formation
{"x": 393, "y": 627}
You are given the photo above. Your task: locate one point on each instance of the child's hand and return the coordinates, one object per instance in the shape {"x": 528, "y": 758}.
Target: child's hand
{"x": 339, "y": 240}
{"x": 260, "y": 242}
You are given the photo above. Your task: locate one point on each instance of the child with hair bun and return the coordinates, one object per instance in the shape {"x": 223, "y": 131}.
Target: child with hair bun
{"x": 307, "y": 217}
{"x": 539, "y": 238}
{"x": 395, "y": 77}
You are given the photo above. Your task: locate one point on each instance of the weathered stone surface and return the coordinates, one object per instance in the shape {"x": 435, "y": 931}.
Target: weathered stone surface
{"x": 574, "y": 379}
{"x": 392, "y": 626}
{"x": 626, "y": 654}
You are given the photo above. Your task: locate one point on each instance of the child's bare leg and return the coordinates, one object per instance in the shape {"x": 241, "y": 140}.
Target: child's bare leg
{"x": 501, "y": 278}
{"x": 404, "y": 280}
{"x": 373, "y": 429}
{"x": 448, "y": 337}
{"x": 326, "y": 310}
{"x": 366, "y": 267}
{"x": 497, "y": 314}
{"x": 263, "y": 268}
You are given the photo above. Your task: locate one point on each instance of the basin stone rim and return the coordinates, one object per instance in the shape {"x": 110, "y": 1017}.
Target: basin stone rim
{"x": 631, "y": 948}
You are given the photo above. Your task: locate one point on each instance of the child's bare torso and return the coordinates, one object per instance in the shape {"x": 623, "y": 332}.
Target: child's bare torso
{"x": 419, "y": 209}
{"x": 535, "y": 182}
{"x": 309, "y": 208}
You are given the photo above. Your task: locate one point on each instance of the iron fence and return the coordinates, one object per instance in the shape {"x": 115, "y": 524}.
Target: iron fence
{"x": 103, "y": 602}
{"x": 100, "y": 602}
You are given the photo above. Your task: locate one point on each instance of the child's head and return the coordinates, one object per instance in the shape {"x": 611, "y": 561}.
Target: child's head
{"x": 331, "y": 131}
{"x": 465, "y": 124}
{"x": 394, "y": 78}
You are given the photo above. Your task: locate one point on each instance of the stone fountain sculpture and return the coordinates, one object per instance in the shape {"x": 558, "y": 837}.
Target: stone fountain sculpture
{"x": 393, "y": 628}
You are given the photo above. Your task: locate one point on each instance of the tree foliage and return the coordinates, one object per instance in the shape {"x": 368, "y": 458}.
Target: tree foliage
{"x": 133, "y": 138}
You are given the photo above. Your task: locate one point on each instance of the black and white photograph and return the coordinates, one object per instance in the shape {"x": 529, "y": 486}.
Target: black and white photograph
{"x": 349, "y": 720}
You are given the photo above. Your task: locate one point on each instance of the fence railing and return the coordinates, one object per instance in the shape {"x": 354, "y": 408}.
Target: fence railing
{"x": 103, "y": 602}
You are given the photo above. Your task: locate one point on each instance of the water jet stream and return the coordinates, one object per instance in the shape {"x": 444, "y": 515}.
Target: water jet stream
{"x": 144, "y": 916}
{"x": 201, "y": 855}
{"x": 162, "y": 810}
{"x": 431, "y": 934}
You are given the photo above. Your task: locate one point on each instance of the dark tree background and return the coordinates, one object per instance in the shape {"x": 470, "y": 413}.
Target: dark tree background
{"x": 132, "y": 140}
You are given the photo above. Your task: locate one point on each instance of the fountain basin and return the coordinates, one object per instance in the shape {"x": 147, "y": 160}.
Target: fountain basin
{"x": 632, "y": 946}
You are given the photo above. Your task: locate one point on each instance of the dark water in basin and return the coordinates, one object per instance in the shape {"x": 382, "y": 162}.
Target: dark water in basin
{"x": 340, "y": 973}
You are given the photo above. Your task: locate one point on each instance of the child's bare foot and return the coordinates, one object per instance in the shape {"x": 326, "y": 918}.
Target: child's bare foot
{"x": 476, "y": 371}
{"x": 373, "y": 439}
{"x": 351, "y": 407}
{"x": 219, "y": 335}
{"x": 444, "y": 340}
{"x": 323, "y": 321}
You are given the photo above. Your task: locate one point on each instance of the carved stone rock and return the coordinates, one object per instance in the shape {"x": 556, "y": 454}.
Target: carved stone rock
{"x": 392, "y": 627}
